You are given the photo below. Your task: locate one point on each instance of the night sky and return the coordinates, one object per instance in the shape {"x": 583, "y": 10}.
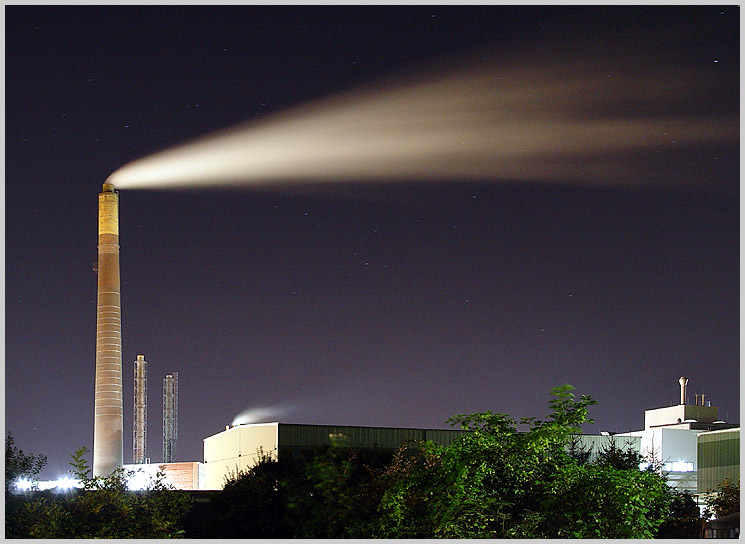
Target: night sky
{"x": 383, "y": 302}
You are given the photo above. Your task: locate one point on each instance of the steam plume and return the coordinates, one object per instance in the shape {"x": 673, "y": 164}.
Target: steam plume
{"x": 581, "y": 117}
{"x": 261, "y": 414}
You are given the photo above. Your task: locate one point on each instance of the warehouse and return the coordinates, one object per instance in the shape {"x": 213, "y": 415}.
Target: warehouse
{"x": 238, "y": 447}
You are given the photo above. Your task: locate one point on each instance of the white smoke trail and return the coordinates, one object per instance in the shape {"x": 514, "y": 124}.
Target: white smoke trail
{"x": 499, "y": 119}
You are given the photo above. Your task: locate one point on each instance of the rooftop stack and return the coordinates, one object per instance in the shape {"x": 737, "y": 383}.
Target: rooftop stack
{"x": 683, "y": 383}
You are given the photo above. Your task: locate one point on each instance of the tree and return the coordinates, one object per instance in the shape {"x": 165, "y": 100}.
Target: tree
{"x": 684, "y": 517}
{"x": 253, "y": 502}
{"x": 20, "y": 465}
{"x": 577, "y": 451}
{"x": 496, "y": 482}
{"x": 724, "y": 500}
{"x": 336, "y": 494}
{"x": 602, "y": 501}
{"x": 318, "y": 493}
{"x": 613, "y": 455}
{"x": 104, "y": 508}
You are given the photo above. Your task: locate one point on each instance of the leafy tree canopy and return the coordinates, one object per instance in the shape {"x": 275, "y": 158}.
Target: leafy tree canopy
{"x": 20, "y": 465}
{"x": 497, "y": 482}
{"x": 104, "y": 508}
{"x": 725, "y": 500}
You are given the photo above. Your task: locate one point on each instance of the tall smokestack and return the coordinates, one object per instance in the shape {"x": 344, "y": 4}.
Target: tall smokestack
{"x": 683, "y": 382}
{"x": 139, "y": 428}
{"x": 108, "y": 426}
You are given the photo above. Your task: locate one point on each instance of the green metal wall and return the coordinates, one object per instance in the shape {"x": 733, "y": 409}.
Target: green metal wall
{"x": 295, "y": 436}
{"x": 718, "y": 458}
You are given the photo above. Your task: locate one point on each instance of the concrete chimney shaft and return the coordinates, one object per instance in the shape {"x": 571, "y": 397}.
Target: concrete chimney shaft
{"x": 683, "y": 382}
{"x": 108, "y": 427}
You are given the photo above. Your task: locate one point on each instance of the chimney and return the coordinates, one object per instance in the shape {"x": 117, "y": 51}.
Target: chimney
{"x": 683, "y": 382}
{"x": 108, "y": 421}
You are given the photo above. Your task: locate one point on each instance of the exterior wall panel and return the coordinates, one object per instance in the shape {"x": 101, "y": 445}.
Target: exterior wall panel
{"x": 682, "y": 412}
{"x": 295, "y": 437}
{"x": 358, "y": 437}
{"x": 595, "y": 444}
{"x": 718, "y": 458}
{"x": 180, "y": 475}
{"x": 236, "y": 449}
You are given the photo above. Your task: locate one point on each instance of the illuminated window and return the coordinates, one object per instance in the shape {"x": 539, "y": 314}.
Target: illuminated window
{"x": 679, "y": 466}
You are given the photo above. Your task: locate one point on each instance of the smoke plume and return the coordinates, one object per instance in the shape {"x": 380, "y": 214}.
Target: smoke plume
{"x": 577, "y": 115}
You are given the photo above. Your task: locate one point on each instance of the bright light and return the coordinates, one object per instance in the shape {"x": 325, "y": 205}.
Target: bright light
{"x": 66, "y": 483}
{"x": 679, "y": 466}
{"x": 138, "y": 480}
{"x": 672, "y": 466}
{"x": 24, "y": 485}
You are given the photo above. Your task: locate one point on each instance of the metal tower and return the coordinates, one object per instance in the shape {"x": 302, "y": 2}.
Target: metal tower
{"x": 139, "y": 429}
{"x": 170, "y": 416}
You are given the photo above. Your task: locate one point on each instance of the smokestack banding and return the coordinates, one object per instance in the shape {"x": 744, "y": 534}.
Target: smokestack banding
{"x": 108, "y": 426}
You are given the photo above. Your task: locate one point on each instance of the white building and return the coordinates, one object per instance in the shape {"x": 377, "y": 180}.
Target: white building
{"x": 670, "y": 438}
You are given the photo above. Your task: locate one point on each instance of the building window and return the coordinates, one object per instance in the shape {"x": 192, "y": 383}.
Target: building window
{"x": 678, "y": 466}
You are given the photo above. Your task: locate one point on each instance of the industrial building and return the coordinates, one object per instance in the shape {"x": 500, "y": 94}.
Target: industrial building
{"x": 671, "y": 438}
{"x": 680, "y": 439}
{"x": 238, "y": 447}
